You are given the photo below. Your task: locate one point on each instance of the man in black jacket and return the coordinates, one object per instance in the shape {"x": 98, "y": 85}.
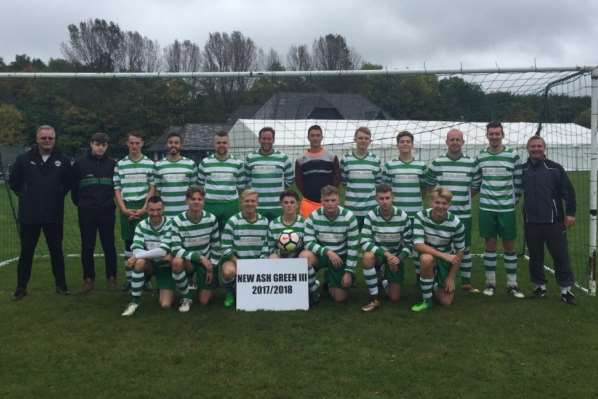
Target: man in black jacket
{"x": 545, "y": 187}
{"x": 41, "y": 178}
{"x": 93, "y": 193}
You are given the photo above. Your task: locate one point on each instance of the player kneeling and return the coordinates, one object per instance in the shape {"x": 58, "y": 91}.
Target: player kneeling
{"x": 286, "y": 234}
{"x": 151, "y": 254}
{"x": 245, "y": 236}
{"x": 194, "y": 241}
{"x": 386, "y": 241}
{"x": 332, "y": 243}
{"x": 439, "y": 238}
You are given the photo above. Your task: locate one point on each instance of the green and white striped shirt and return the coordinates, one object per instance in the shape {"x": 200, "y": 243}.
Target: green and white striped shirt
{"x": 148, "y": 237}
{"x": 192, "y": 240}
{"x": 172, "y": 179}
{"x": 500, "y": 177}
{"x": 379, "y": 234}
{"x": 134, "y": 178}
{"x": 269, "y": 175}
{"x": 277, "y": 226}
{"x": 407, "y": 180}
{"x": 360, "y": 176}
{"x": 446, "y": 236}
{"x": 244, "y": 239}
{"x": 340, "y": 235}
{"x": 221, "y": 179}
{"x": 457, "y": 176}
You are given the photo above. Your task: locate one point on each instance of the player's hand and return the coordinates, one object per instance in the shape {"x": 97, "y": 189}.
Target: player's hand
{"x": 449, "y": 285}
{"x": 347, "y": 279}
{"x": 205, "y": 262}
{"x": 334, "y": 259}
{"x": 569, "y": 221}
{"x": 393, "y": 261}
{"x": 167, "y": 258}
{"x": 209, "y": 276}
{"x": 452, "y": 259}
{"x": 131, "y": 261}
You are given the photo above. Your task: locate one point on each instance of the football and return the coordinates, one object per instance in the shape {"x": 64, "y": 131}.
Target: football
{"x": 289, "y": 241}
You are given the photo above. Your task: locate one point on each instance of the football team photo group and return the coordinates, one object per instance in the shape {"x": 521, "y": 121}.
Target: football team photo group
{"x": 185, "y": 225}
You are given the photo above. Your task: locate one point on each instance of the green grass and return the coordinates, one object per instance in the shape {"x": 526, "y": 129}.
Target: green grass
{"x": 60, "y": 347}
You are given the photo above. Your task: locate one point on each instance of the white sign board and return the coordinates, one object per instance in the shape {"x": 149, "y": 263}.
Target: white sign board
{"x": 272, "y": 284}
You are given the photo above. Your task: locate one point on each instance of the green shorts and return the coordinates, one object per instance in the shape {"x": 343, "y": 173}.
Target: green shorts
{"x": 200, "y": 277}
{"x": 270, "y": 213}
{"x": 467, "y": 224}
{"x": 441, "y": 271}
{"x": 501, "y": 224}
{"x": 163, "y": 274}
{"x": 223, "y": 210}
{"x": 392, "y": 277}
{"x": 333, "y": 275}
{"x": 127, "y": 227}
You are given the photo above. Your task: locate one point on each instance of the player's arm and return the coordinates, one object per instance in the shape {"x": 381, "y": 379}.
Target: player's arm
{"x": 378, "y": 178}
{"x": 311, "y": 242}
{"x": 118, "y": 192}
{"x": 518, "y": 177}
{"x": 215, "y": 252}
{"x": 476, "y": 180}
{"x": 151, "y": 191}
{"x": 431, "y": 177}
{"x": 289, "y": 177}
{"x": 343, "y": 170}
{"x": 352, "y": 245}
{"x": 201, "y": 176}
{"x": 298, "y": 177}
{"x": 336, "y": 172}
{"x": 226, "y": 244}
{"x": 271, "y": 239}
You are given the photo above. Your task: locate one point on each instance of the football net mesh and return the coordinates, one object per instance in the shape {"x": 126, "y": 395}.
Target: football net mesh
{"x": 555, "y": 104}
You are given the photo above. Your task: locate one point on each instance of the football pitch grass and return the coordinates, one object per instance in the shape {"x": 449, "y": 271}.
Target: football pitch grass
{"x": 57, "y": 347}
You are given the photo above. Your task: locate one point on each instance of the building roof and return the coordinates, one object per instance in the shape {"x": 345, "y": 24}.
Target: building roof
{"x": 286, "y": 105}
{"x": 196, "y": 136}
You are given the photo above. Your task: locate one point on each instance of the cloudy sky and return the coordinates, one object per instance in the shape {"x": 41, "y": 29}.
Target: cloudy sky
{"x": 397, "y": 34}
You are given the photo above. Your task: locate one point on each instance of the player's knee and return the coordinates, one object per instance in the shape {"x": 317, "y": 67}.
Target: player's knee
{"x": 229, "y": 271}
{"x": 426, "y": 261}
{"x": 311, "y": 258}
{"x": 140, "y": 265}
{"x": 369, "y": 260}
{"x": 177, "y": 264}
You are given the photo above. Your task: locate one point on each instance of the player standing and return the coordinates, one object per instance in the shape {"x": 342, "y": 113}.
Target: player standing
{"x": 222, "y": 177}
{"x": 268, "y": 172}
{"x": 498, "y": 168}
{"x": 455, "y": 171}
{"x": 174, "y": 175}
{"x": 360, "y": 172}
{"x": 133, "y": 186}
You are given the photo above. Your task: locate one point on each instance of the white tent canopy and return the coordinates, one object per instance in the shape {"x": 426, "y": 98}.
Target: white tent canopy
{"x": 568, "y": 143}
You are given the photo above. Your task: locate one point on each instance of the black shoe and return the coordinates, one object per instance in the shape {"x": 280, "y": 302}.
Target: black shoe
{"x": 19, "y": 294}
{"x": 538, "y": 293}
{"x": 568, "y": 298}
{"x": 62, "y": 291}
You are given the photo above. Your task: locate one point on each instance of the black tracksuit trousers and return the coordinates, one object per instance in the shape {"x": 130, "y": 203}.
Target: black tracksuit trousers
{"x": 554, "y": 235}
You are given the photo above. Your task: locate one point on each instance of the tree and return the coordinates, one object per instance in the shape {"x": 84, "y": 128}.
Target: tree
{"x": 228, "y": 53}
{"x": 331, "y": 53}
{"x": 95, "y": 44}
{"x": 182, "y": 57}
{"x": 12, "y": 125}
{"x": 270, "y": 61}
{"x": 299, "y": 59}
{"x": 139, "y": 53}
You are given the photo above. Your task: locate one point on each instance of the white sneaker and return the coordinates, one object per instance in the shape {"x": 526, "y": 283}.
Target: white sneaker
{"x": 130, "y": 310}
{"x": 489, "y": 290}
{"x": 516, "y": 292}
{"x": 185, "y": 305}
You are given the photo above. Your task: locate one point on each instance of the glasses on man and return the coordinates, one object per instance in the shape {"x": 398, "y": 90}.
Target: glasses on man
{"x": 46, "y": 138}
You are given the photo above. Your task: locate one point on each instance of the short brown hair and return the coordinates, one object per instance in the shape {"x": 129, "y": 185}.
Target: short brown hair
{"x": 383, "y": 188}
{"x": 266, "y": 129}
{"x": 535, "y": 137}
{"x": 363, "y": 129}
{"x": 405, "y": 133}
{"x": 288, "y": 193}
{"x": 195, "y": 189}
{"x": 442, "y": 192}
{"x": 494, "y": 124}
{"x": 135, "y": 133}
{"x": 221, "y": 133}
{"x": 247, "y": 192}
{"x": 328, "y": 190}
{"x": 314, "y": 127}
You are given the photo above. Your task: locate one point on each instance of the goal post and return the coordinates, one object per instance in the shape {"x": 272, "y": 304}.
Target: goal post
{"x": 428, "y": 103}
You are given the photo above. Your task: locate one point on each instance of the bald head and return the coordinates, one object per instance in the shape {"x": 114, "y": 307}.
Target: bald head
{"x": 454, "y": 142}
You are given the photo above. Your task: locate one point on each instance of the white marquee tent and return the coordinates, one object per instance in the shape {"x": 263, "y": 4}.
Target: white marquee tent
{"x": 567, "y": 143}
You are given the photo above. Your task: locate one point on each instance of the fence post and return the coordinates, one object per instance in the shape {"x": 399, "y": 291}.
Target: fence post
{"x": 593, "y": 185}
